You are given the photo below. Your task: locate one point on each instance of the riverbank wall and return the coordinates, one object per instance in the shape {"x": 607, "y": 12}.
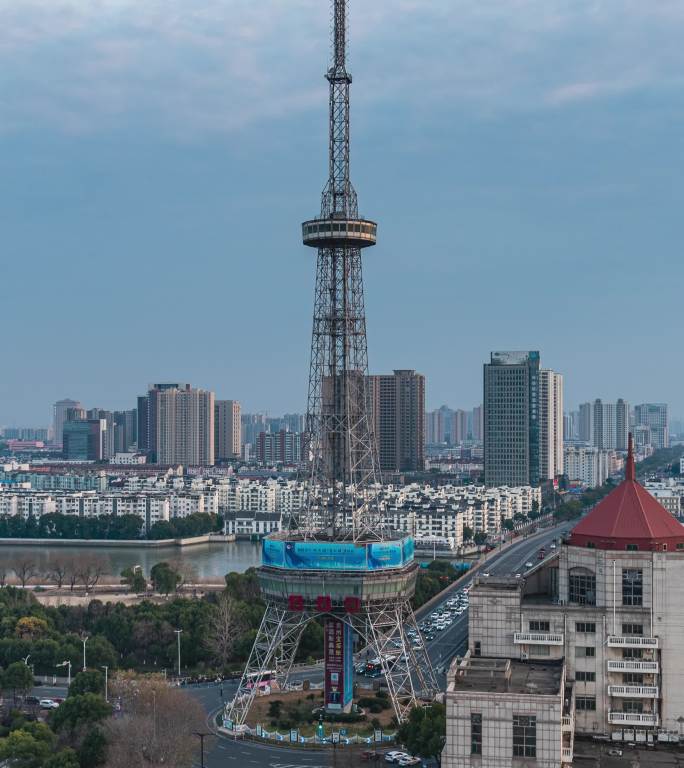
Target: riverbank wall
{"x": 209, "y": 538}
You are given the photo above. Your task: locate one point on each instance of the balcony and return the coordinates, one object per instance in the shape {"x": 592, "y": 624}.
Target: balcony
{"x": 634, "y": 691}
{"x": 634, "y": 665}
{"x": 566, "y": 754}
{"x": 567, "y": 723}
{"x": 538, "y": 638}
{"x": 631, "y": 641}
{"x": 633, "y": 718}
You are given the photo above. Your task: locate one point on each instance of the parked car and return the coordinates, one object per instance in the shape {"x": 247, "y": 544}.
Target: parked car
{"x": 49, "y": 704}
{"x": 394, "y": 756}
{"x": 32, "y": 701}
{"x": 529, "y": 564}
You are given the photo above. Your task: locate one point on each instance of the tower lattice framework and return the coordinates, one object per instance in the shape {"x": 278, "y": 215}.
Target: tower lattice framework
{"x": 342, "y": 506}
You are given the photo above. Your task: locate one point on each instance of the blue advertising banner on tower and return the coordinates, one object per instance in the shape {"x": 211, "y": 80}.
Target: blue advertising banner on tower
{"x": 339, "y": 556}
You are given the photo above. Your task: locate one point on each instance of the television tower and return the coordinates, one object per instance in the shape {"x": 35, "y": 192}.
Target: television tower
{"x": 337, "y": 561}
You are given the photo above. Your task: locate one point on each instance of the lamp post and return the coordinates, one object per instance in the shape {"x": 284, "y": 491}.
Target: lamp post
{"x": 85, "y": 640}
{"x": 26, "y": 658}
{"x": 106, "y": 669}
{"x": 201, "y": 735}
{"x": 68, "y": 665}
{"x": 178, "y": 634}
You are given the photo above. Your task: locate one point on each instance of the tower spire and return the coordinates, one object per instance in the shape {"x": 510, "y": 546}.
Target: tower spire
{"x": 630, "y": 469}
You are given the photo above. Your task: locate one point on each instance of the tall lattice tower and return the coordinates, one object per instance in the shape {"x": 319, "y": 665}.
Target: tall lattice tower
{"x": 337, "y": 562}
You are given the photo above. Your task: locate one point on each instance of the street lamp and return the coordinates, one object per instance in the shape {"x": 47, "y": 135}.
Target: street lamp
{"x": 85, "y": 640}
{"x": 106, "y": 669}
{"x": 67, "y": 664}
{"x": 26, "y": 658}
{"x": 178, "y": 634}
{"x": 201, "y": 735}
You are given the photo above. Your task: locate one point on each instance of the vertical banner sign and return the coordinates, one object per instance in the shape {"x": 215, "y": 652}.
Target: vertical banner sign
{"x": 339, "y": 678}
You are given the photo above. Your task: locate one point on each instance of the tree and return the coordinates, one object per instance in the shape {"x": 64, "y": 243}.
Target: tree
{"x": 25, "y": 568}
{"x": 91, "y": 681}
{"x": 508, "y": 525}
{"x": 66, "y": 758}
{"x": 30, "y": 628}
{"x": 57, "y": 570}
{"x": 480, "y": 538}
{"x": 90, "y": 569}
{"x": 93, "y": 749}
{"x": 79, "y": 711}
{"x": 225, "y": 627}
{"x": 424, "y": 732}
{"x": 187, "y": 573}
{"x": 156, "y": 726}
{"x": 17, "y": 678}
{"x": 21, "y": 749}
{"x": 467, "y": 533}
{"x": 135, "y": 579}
{"x": 164, "y": 578}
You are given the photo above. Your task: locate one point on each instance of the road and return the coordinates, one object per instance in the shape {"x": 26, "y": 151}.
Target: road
{"x": 447, "y": 644}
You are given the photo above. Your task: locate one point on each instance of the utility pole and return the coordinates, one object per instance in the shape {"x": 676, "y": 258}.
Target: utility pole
{"x": 178, "y": 634}
{"x": 68, "y": 665}
{"x": 106, "y": 669}
{"x": 85, "y": 640}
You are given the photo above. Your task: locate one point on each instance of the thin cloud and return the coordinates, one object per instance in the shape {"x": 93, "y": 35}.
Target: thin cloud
{"x": 222, "y": 65}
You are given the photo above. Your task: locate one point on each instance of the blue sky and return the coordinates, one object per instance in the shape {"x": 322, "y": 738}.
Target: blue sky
{"x": 523, "y": 159}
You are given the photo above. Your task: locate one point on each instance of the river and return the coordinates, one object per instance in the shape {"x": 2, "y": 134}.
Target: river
{"x": 209, "y": 560}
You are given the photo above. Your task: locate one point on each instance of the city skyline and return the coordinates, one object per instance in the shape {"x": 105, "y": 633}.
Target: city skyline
{"x": 558, "y": 181}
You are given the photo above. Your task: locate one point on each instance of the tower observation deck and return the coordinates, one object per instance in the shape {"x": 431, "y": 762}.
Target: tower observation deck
{"x": 337, "y": 561}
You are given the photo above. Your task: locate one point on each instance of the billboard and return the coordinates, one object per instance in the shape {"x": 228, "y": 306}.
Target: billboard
{"x": 339, "y": 673}
{"x": 339, "y": 556}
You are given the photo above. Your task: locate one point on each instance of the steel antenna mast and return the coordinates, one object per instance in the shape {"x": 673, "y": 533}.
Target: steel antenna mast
{"x": 343, "y": 451}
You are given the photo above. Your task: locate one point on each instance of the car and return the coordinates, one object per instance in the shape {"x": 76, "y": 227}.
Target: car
{"x": 49, "y": 704}
{"x": 553, "y": 546}
{"x": 615, "y": 752}
{"x": 369, "y": 754}
{"x": 394, "y": 756}
{"x": 518, "y": 575}
{"x": 408, "y": 761}
{"x": 529, "y": 564}
{"x": 32, "y": 700}
{"x": 486, "y": 574}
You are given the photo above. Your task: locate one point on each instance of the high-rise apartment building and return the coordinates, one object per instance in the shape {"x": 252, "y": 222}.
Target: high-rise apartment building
{"x": 176, "y": 425}
{"x": 585, "y": 427}
{"x": 460, "y": 427}
{"x": 59, "y": 417}
{"x": 228, "y": 426}
{"x": 551, "y": 424}
{"x": 654, "y": 416}
{"x": 477, "y": 423}
{"x": 523, "y": 420}
{"x": 438, "y": 425}
{"x": 398, "y": 412}
{"x": 125, "y": 430}
{"x": 609, "y": 424}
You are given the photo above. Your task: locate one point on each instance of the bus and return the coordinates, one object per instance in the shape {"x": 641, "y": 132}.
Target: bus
{"x": 266, "y": 680}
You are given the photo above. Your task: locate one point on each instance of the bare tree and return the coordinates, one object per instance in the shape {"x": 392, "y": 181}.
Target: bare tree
{"x": 57, "y": 570}
{"x": 226, "y": 626}
{"x": 157, "y": 726}
{"x": 90, "y": 569}
{"x": 4, "y": 570}
{"x": 25, "y": 568}
{"x": 72, "y": 571}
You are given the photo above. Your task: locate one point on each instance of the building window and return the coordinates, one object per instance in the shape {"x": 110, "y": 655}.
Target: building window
{"x": 585, "y": 651}
{"x": 585, "y": 677}
{"x": 633, "y": 629}
{"x": 588, "y": 627}
{"x": 539, "y": 626}
{"x": 582, "y": 587}
{"x": 478, "y": 648}
{"x": 632, "y": 653}
{"x": 632, "y": 586}
{"x": 585, "y": 704}
{"x": 476, "y": 733}
{"x": 524, "y": 735}
{"x": 633, "y": 678}
{"x": 540, "y": 650}
{"x": 632, "y": 548}
{"x": 591, "y": 545}
{"x": 632, "y": 705}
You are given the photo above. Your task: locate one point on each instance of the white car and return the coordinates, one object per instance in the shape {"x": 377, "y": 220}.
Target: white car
{"x": 529, "y": 564}
{"x": 48, "y": 704}
{"x": 395, "y": 757}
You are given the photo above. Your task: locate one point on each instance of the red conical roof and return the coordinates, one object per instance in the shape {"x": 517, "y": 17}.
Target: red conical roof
{"x": 629, "y": 517}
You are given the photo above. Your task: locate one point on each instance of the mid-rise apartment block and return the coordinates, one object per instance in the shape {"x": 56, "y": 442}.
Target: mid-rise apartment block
{"x": 59, "y": 417}
{"x": 279, "y": 448}
{"x": 84, "y": 440}
{"x": 589, "y": 466}
{"x": 605, "y": 425}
